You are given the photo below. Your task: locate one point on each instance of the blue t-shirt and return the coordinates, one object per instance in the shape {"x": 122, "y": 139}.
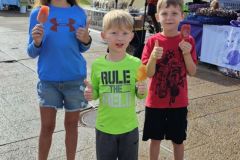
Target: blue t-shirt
{"x": 60, "y": 57}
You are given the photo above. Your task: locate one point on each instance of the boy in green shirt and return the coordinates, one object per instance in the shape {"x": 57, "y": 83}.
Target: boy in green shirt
{"x": 114, "y": 82}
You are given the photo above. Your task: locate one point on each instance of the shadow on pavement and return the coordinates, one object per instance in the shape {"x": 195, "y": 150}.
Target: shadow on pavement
{"x": 13, "y": 14}
{"x": 215, "y": 76}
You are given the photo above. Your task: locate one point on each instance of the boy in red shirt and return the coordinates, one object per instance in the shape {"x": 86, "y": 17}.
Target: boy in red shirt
{"x": 169, "y": 59}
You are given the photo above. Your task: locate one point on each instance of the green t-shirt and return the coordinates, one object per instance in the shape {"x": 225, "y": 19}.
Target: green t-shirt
{"x": 114, "y": 84}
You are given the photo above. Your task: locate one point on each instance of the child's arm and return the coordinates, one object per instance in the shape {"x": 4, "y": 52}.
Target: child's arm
{"x": 141, "y": 89}
{"x": 155, "y": 55}
{"x": 84, "y": 38}
{"x": 36, "y": 32}
{"x": 190, "y": 65}
{"x": 186, "y": 48}
{"x": 88, "y": 93}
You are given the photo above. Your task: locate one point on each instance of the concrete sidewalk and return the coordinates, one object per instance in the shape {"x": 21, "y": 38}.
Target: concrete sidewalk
{"x": 214, "y": 111}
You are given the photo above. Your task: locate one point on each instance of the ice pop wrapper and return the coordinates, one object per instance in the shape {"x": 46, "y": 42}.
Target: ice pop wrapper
{"x": 43, "y": 14}
{"x": 142, "y": 73}
{"x": 185, "y": 31}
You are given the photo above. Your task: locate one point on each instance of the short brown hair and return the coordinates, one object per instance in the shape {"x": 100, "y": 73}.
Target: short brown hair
{"x": 175, "y": 3}
{"x": 118, "y": 18}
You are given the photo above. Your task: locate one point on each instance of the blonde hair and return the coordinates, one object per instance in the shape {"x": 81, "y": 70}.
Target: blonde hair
{"x": 168, "y": 3}
{"x": 214, "y": 4}
{"x": 118, "y": 18}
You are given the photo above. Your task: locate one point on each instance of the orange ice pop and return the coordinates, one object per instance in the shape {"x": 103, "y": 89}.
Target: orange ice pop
{"x": 142, "y": 73}
{"x": 43, "y": 14}
{"x": 185, "y": 31}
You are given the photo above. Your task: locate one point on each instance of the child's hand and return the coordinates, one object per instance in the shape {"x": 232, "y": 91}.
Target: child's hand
{"x": 82, "y": 34}
{"x": 141, "y": 87}
{"x": 37, "y": 34}
{"x": 157, "y": 51}
{"x": 88, "y": 93}
{"x": 186, "y": 47}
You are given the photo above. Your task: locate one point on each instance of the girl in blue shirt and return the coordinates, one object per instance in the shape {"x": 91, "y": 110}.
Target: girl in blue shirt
{"x": 59, "y": 44}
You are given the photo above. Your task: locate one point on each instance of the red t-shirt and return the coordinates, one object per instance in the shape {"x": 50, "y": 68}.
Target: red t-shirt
{"x": 168, "y": 87}
{"x": 152, "y": 2}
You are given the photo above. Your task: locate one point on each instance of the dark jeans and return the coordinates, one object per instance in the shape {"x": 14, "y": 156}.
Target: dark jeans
{"x": 122, "y": 146}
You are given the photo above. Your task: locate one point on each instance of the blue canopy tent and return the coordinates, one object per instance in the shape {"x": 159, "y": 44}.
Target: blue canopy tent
{"x": 15, "y": 3}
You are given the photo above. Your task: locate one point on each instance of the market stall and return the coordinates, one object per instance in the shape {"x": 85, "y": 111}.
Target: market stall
{"x": 216, "y": 31}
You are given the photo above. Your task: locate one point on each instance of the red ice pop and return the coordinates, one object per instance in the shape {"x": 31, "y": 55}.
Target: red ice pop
{"x": 43, "y": 14}
{"x": 142, "y": 73}
{"x": 185, "y": 31}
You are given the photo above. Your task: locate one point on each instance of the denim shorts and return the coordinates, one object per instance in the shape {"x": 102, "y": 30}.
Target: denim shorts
{"x": 67, "y": 94}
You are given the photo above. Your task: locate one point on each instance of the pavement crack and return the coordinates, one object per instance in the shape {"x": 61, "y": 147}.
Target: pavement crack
{"x": 205, "y": 115}
{"x": 14, "y": 60}
{"x": 8, "y": 61}
{"x": 197, "y": 146}
{"x": 21, "y": 140}
{"x": 140, "y": 111}
{"x": 203, "y": 133}
{"x": 214, "y": 94}
{"x": 25, "y": 139}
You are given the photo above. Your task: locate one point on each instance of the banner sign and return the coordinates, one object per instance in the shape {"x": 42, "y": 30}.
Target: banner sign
{"x": 221, "y": 46}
